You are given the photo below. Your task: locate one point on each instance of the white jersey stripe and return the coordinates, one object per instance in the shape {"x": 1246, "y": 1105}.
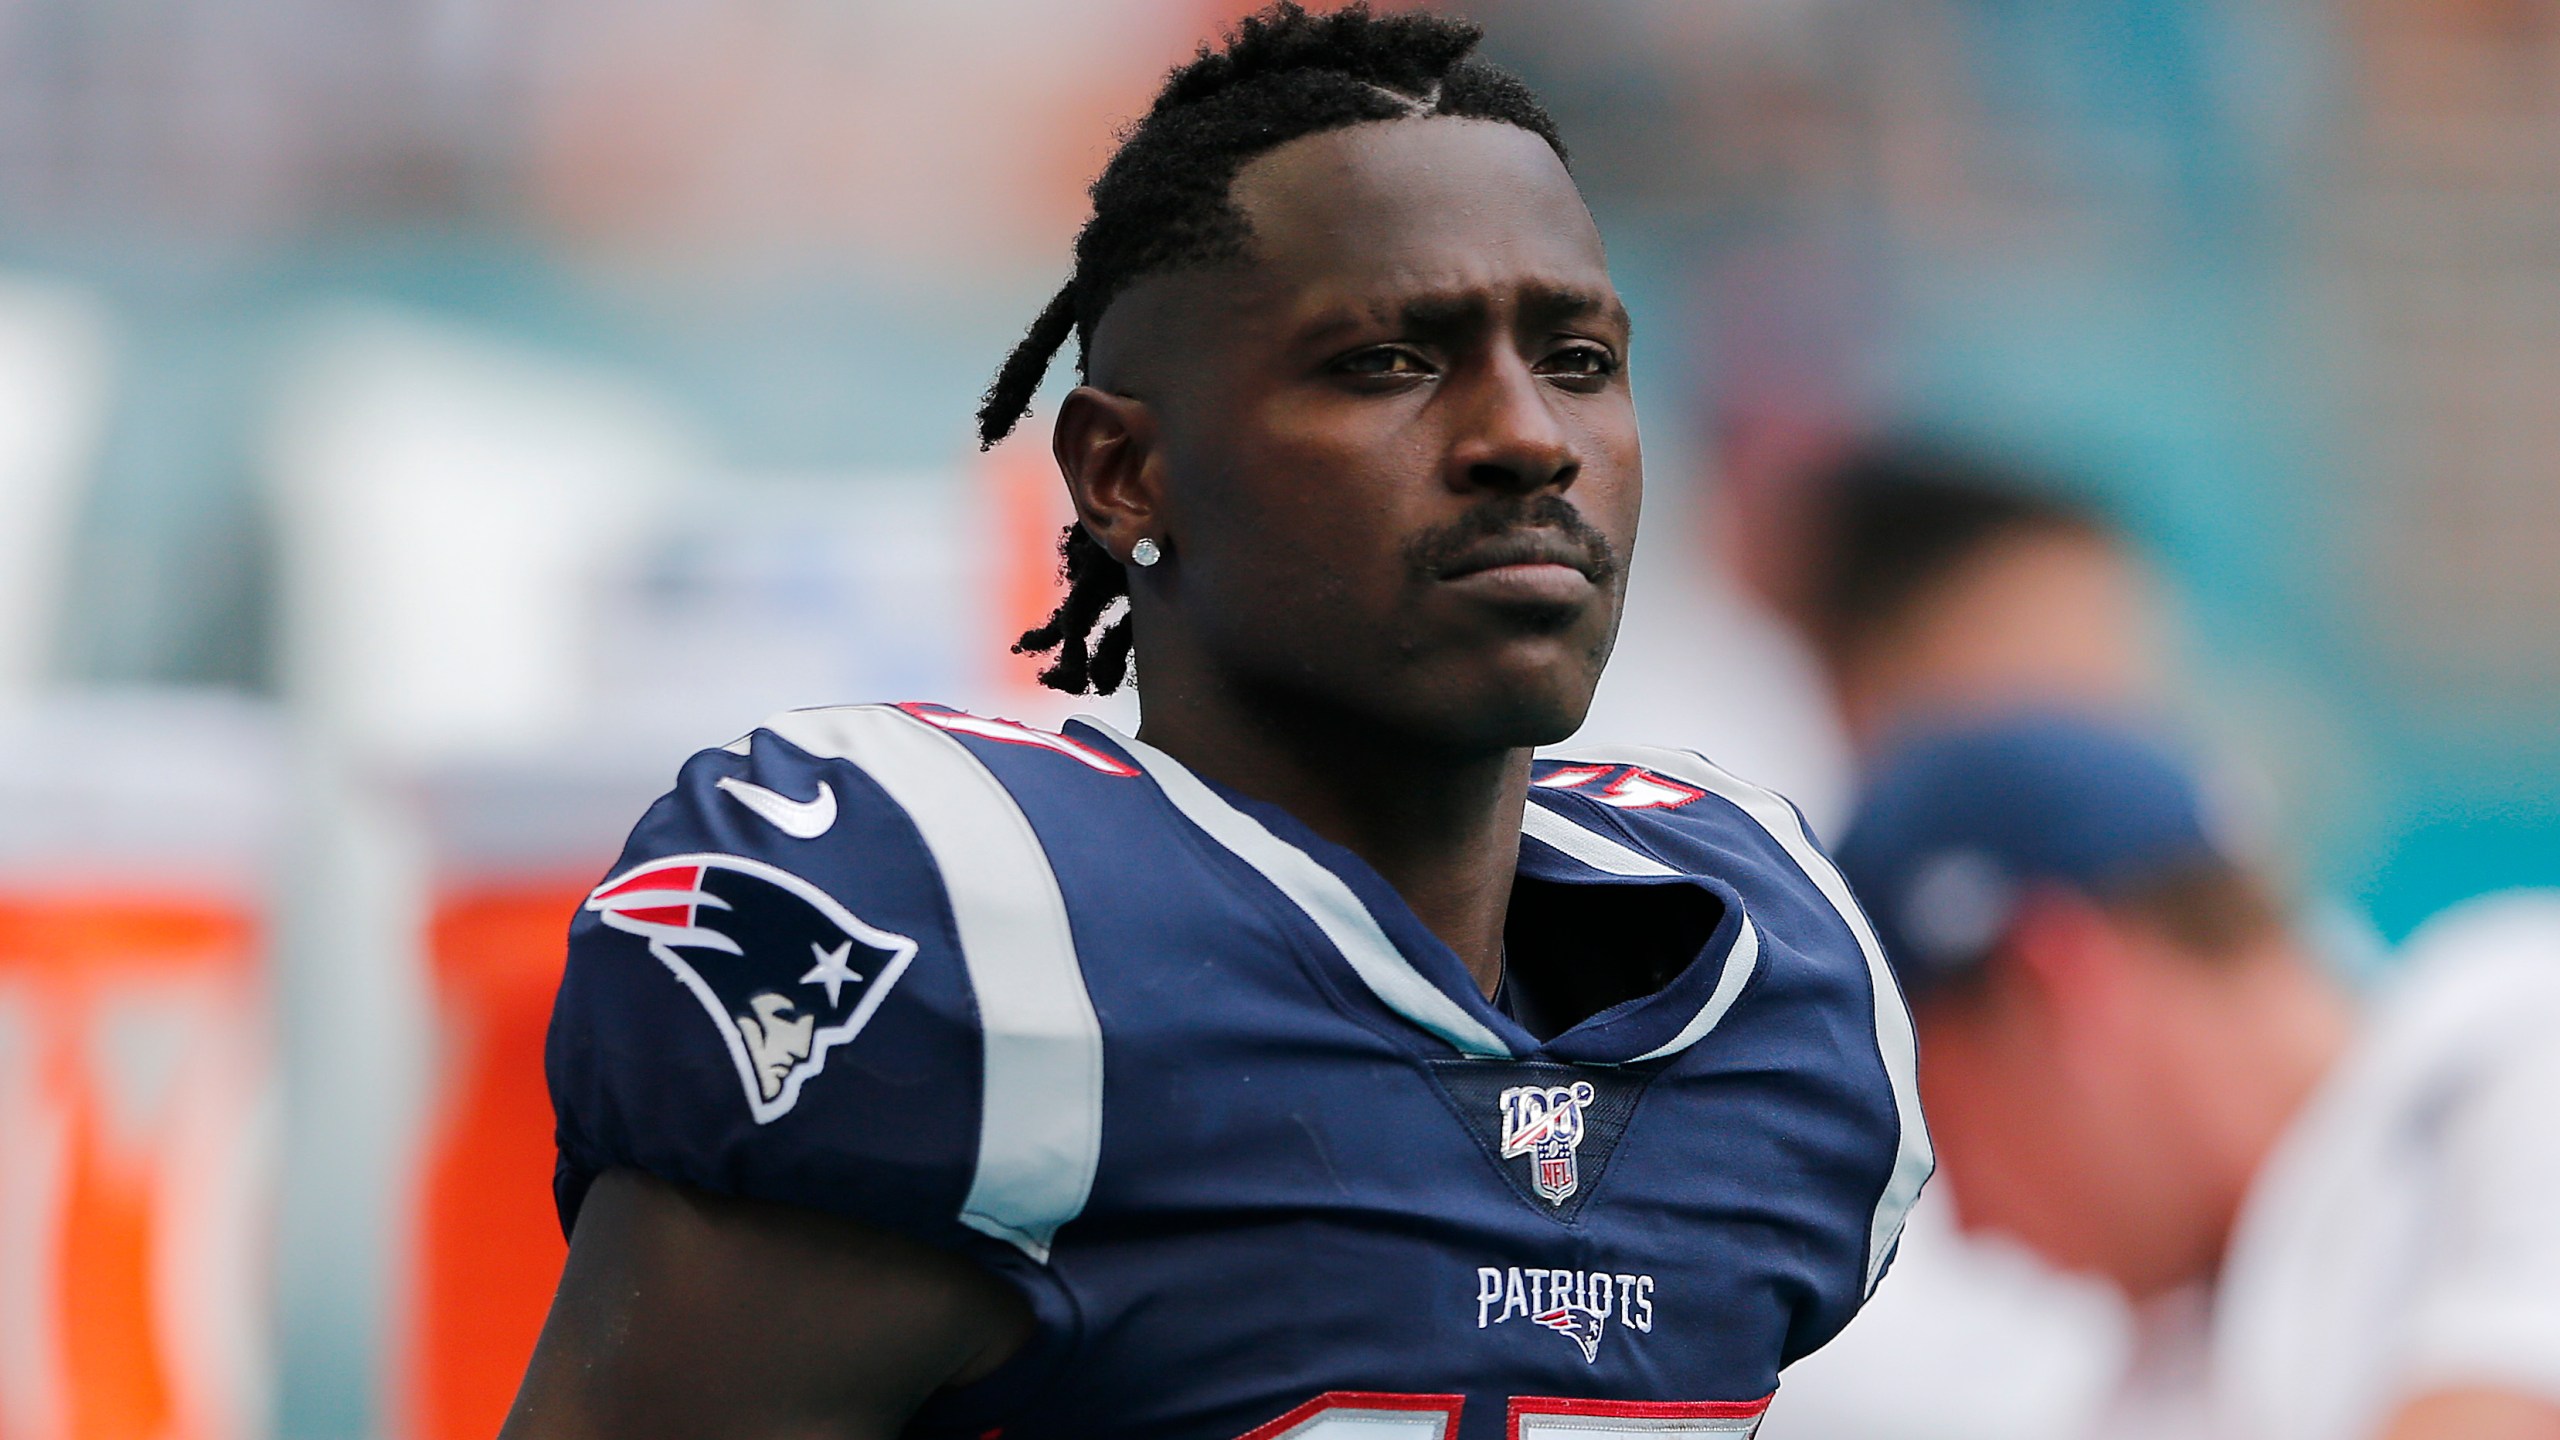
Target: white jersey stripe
{"x": 1739, "y": 964}
{"x": 1588, "y": 846}
{"x": 1913, "y": 1159}
{"x": 1326, "y": 900}
{"x": 1040, "y": 1128}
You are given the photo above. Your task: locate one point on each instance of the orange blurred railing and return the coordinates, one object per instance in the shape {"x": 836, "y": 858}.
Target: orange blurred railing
{"x": 486, "y": 1250}
{"x": 135, "y": 1122}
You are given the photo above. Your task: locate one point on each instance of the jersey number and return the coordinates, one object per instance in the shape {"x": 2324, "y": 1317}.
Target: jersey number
{"x": 1364, "y": 1415}
{"x": 1633, "y": 788}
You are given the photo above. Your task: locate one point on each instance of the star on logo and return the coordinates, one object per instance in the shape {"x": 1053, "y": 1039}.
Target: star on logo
{"x": 831, "y": 971}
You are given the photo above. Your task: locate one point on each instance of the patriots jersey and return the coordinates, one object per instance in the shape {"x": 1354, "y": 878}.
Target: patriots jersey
{"x": 1260, "y": 1154}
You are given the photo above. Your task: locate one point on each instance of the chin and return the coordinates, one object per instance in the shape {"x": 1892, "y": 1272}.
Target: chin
{"x": 1512, "y": 712}
{"x": 1480, "y": 694}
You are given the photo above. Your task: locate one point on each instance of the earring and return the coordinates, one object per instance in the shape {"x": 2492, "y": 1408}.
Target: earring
{"x": 1145, "y": 553}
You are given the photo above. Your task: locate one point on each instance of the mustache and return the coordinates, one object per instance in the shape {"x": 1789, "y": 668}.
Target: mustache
{"x": 1543, "y": 520}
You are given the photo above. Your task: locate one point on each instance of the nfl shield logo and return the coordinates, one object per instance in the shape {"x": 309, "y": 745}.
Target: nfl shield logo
{"x": 1556, "y": 1179}
{"x": 1544, "y": 1122}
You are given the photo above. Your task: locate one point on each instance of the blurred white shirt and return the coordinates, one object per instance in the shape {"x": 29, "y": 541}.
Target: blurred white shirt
{"x": 2405, "y": 1236}
{"x": 1965, "y": 1340}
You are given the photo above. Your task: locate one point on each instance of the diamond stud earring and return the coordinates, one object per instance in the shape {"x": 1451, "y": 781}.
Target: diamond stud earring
{"x": 1145, "y": 553}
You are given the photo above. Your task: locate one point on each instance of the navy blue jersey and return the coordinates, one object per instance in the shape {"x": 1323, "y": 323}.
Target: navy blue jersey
{"x": 1251, "y": 1141}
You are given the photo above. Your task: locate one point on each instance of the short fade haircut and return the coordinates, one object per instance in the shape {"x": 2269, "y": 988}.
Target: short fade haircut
{"x": 2212, "y": 911}
{"x": 2210, "y": 907}
{"x": 1163, "y": 204}
{"x": 1898, "y": 517}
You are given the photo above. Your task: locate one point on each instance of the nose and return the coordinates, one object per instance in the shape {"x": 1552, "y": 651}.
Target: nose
{"x": 1510, "y": 439}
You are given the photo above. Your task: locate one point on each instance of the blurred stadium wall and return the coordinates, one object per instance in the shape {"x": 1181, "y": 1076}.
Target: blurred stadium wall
{"x": 421, "y": 423}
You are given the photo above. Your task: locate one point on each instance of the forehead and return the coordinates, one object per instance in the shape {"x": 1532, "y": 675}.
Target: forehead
{"x": 1376, "y": 212}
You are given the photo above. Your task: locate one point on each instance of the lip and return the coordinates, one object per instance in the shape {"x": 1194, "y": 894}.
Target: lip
{"x": 1540, "y": 585}
{"x": 1522, "y": 555}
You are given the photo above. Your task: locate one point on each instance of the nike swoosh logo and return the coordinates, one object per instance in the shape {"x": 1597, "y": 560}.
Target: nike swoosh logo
{"x": 799, "y": 819}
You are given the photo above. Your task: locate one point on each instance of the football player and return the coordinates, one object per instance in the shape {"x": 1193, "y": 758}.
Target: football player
{"x": 1316, "y": 1062}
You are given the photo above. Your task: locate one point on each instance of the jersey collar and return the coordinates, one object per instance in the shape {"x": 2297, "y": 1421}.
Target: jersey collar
{"x": 1410, "y": 971}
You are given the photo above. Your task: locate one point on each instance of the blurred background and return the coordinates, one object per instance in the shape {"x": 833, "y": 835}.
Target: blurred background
{"x": 423, "y": 422}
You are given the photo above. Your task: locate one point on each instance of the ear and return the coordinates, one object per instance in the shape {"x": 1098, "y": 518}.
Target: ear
{"x": 2070, "y": 961}
{"x": 1106, "y": 448}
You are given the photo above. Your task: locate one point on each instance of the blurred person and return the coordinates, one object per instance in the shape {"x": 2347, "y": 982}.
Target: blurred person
{"x": 1928, "y": 578}
{"x": 1316, "y": 1063}
{"x": 1937, "y": 579}
{"x": 2336, "y": 1226}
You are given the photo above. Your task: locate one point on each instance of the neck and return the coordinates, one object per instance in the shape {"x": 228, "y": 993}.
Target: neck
{"x": 1442, "y": 827}
{"x": 2299, "y": 1024}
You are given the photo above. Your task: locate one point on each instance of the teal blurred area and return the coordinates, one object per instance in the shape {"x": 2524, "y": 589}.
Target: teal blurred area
{"x": 2232, "y": 266}
{"x": 2269, "y": 280}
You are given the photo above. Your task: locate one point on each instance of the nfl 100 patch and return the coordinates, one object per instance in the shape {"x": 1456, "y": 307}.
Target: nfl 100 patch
{"x": 1550, "y": 1128}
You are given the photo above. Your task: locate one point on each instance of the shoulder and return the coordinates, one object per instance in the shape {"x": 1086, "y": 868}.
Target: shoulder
{"x": 1619, "y": 807}
{"x": 924, "y": 756}
{"x": 820, "y": 787}
{"x": 863, "y": 733}
{"x": 885, "y": 809}
{"x": 1698, "y": 818}
{"x": 2470, "y": 1006}
{"x": 840, "y": 918}
{"x": 2458, "y": 1043}
{"x": 2480, "y": 965}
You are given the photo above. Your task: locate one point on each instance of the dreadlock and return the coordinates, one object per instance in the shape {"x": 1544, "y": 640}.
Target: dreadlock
{"x": 1162, "y": 204}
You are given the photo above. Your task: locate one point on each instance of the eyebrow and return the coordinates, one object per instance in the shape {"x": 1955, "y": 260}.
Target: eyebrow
{"x": 1465, "y": 310}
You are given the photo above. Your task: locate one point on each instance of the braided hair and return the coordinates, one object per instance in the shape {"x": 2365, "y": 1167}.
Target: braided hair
{"x": 1162, "y": 204}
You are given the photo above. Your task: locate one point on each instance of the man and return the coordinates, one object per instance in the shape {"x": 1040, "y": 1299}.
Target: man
{"x": 2135, "y": 1067}
{"x": 1288, "y": 1069}
{"x": 1931, "y": 579}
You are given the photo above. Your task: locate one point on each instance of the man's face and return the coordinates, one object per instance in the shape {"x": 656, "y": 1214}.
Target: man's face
{"x": 2108, "y": 1105}
{"x": 1401, "y": 473}
{"x": 2019, "y": 1143}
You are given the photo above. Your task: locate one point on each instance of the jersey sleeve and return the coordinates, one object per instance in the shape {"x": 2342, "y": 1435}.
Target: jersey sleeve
{"x": 2487, "y": 1306}
{"x": 765, "y": 997}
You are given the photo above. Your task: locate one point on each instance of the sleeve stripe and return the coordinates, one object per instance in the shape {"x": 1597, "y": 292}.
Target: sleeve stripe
{"x": 1913, "y": 1158}
{"x": 1040, "y": 1123}
{"x": 1327, "y": 901}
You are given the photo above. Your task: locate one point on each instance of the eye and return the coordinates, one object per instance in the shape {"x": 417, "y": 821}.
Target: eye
{"x": 1580, "y": 362}
{"x": 1382, "y": 362}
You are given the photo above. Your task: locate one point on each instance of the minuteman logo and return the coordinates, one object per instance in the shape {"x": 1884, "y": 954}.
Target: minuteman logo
{"x": 785, "y": 972}
{"x": 1544, "y": 1122}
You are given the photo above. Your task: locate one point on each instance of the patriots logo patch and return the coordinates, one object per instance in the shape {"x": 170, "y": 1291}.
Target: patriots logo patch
{"x": 1578, "y": 1325}
{"x": 1575, "y": 1304}
{"x": 785, "y": 972}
